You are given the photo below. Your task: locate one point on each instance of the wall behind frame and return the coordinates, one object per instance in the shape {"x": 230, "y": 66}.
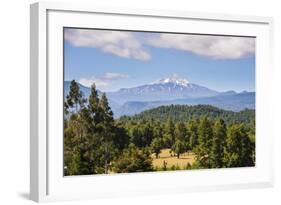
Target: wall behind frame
{"x": 14, "y": 103}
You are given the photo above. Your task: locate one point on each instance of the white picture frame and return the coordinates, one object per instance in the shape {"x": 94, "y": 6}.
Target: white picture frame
{"x": 46, "y": 176}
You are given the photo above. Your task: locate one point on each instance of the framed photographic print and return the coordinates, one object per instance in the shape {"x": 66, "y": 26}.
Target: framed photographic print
{"x": 127, "y": 102}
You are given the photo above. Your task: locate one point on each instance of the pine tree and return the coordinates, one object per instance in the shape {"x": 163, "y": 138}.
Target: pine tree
{"x": 239, "y": 149}
{"x": 107, "y": 114}
{"x": 147, "y": 133}
{"x": 136, "y": 136}
{"x": 91, "y": 162}
{"x": 107, "y": 133}
{"x": 75, "y": 97}
{"x": 205, "y": 137}
{"x": 156, "y": 146}
{"x": 178, "y": 147}
{"x": 248, "y": 152}
{"x": 157, "y": 129}
{"x": 74, "y": 139}
{"x": 93, "y": 105}
{"x": 133, "y": 160}
{"x": 218, "y": 144}
{"x": 121, "y": 137}
{"x": 193, "y": 133}
{"x": 170, "y": 131}
{"x": 181, "y": 134}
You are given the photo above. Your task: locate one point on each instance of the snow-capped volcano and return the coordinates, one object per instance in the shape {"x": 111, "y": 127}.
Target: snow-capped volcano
{"x": 173, "y": 79}
{"x": 169, "y": 88}
{"x": 129, "y": 101}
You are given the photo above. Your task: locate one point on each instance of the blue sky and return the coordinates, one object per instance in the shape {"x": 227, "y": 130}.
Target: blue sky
{"x": 114, "y": 59}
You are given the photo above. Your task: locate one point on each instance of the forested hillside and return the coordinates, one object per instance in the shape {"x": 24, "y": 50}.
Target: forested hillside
{"x": 183, "y": 113}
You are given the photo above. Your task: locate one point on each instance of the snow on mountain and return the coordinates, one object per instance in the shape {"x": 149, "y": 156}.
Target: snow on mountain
{"x": 169, "y": 88}
{"x": 172, "y": 79}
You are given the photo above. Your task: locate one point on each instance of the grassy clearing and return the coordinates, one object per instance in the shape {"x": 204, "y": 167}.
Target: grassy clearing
{"x": 165, "y": 155}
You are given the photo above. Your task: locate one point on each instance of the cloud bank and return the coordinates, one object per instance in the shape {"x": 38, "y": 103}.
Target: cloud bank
{"x": 122, "y": 44}
{"x": 217, "y": 47}
{"x": 102, "y": 81}
{"x": 132, "y": 44}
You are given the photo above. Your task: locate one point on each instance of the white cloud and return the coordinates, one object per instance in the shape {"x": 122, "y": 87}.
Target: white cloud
{"x": 114, "y": 76}
{"x": 122, "y": 44}
{"x": 132, "y": 45}
{"x": 217, "y": 47}
{"x": 103, "y": 81}
{"x": 89, "y": 81}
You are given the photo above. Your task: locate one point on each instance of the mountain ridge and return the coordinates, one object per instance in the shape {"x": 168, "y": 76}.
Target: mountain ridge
{"x": 170, "y": 88}
{"x": 235, "y": 102}
{"x": 167, "y": 91}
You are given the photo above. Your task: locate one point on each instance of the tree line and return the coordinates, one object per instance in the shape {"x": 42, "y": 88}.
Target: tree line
{"x": 96, "y": 143}
{"x": 183, "y": 113}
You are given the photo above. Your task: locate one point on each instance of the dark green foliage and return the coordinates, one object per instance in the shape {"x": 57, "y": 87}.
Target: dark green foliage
{"x": 239, "y": 150}
{"x": 156, "y": 145}
{"x": 141, "y": 134}
{"x": 88, "y": 135}
{"x": 193, "y": 133}
{"x": 93, "y": 106}
{"x": 75, "y": 97}
{"x": 136, "y": 136}
{"x": 77, "y": 148}
{"x": 184, "y": 113}
{"x": 218, "y": 144}
{"x": 181, "y": 134}
{"x": 205, "y": 138}
{"x": 121, "y": 138}
{"x": 170, "y": 132}
{"x": 106, "y": 131}
{"x": 133, "y": 160}
{"x": 178, "y": 148}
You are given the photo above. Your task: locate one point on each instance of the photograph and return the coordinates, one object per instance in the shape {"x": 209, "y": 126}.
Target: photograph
{"x": 149, "y": 101}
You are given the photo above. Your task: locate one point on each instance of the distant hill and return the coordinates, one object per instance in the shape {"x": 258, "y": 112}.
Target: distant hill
{"x": 187, "y": 112}
{"x": 228, "y": 101}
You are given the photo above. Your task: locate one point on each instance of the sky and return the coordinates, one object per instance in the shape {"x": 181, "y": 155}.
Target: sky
{"x": 123, "y": 59}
